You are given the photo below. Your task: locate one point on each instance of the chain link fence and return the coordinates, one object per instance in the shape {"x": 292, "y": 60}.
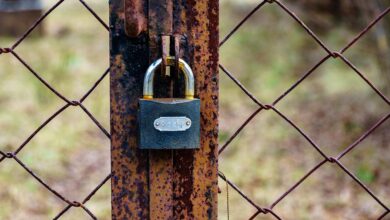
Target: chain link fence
{"x": 68, "y": 103}
{"x": 262, "y": 209}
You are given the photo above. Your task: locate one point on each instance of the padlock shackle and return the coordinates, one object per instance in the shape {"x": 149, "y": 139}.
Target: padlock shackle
{"x": 183, "y": 66}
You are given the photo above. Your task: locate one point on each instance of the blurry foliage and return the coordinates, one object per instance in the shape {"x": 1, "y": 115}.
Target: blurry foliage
{"x": 365, "y": 175}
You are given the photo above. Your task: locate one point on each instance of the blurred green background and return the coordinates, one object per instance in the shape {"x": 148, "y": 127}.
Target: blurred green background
{"x": 268, "y": 54}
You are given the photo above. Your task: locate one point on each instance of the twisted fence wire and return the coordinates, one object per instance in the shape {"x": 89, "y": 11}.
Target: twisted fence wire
{"x": 268, "y": 210}
{"x": 68, "y": 103}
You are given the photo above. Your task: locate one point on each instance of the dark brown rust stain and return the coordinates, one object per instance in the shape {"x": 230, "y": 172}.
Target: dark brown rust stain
{"x": 128, "y": 57}
{"x": 179, "y": 17}
{"x": 204, "y": 36}
{"x": 135, "y": 17}
{"x": 183, "y": 184}
{"x": 160, "y": 23}
{"x": 183, "y": 159}
{"x": 161, "y": 176}
{"x": 195, "y": 188}
{"x": 160, "y": 161}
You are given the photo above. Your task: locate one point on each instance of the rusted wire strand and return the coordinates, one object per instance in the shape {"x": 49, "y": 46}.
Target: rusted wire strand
{"x": 365, "y": 30}
{"x": 246, "y": 122}
{"x": 267, "y": 211}
{"x": 364, "y": 136}
{"x": 227, "y": 196}
{"x": 242, "y": 22}
{"x": 38, "y": 130}
{"x": 249, "y": 119}
{"x": 334, "y": 160}
{"x": 298, "y": 183}
{"x": 95, "y": 85}
{"x": 249, "y": 200}
{"x": 94, "y": 14}
{"x": 95, "y": 121}
{"x": 364, "y": 78}
{"x": 89, "y": 196}
{"x": 242, "y": 87}
{"x": 304, "y": 26}
{"x": 300, "y": 131}
{"x": 58, "y": 94}
{"x": 383, "y": 215}
{"x": 27, "y": 33}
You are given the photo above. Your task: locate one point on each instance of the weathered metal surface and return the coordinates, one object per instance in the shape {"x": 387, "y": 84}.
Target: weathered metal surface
{"x": 161, "y": 162}
{"x": 135, "y": 17}
{"x": 182, "y": 183}
{"x": 165, "y": 53}
{"x": 195, "y": 172}
{"x": 129, "y": 60}
{"x": 160, "y": 23}
{"x": 161, "y": 176}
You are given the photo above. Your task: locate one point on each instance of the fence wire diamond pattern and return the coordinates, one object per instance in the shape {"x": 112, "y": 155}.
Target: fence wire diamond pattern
{"x": 68, "y": 103}
{"x": 268, "y": 210}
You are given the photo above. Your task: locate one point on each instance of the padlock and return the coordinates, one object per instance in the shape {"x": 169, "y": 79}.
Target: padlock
{"x": 169, "y": 123}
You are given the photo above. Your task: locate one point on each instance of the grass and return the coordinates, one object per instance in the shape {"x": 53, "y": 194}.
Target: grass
{"x": 333, "y": 106}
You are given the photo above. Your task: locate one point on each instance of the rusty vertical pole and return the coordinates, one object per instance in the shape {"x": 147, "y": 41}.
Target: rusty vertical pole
{"x": 178, "y": 184}
{"x": 129, "y": 55}
{"x": 160, "y": 161}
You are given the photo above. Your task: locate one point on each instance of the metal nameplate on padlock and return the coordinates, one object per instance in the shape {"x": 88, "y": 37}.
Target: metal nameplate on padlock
{"x": 172, "y": 123}
{"x": 169, "y": 123}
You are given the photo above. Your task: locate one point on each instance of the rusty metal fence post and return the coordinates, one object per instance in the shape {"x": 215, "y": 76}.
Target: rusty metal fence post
{"x": 171, "y": 184}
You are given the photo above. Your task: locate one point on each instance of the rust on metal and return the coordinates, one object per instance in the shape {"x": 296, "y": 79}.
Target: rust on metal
{"x": 160, "y": 162}
{"x": 177, "y": 56}
{"x": 195, "y": 188}
{"x": 180, "y": 184}
{"x": 159, "y": 23}
{"x": 129, "y": 60}
{"x": 135, "y": 17}
{"x": 165, "y": 46}
{"x": 161, "y": 177}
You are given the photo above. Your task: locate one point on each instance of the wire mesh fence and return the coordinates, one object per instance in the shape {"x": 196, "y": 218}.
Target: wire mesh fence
{"x": 68, "y": 103}
{"x": 330, "y": 54}
{"x": 261, "y": 209}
